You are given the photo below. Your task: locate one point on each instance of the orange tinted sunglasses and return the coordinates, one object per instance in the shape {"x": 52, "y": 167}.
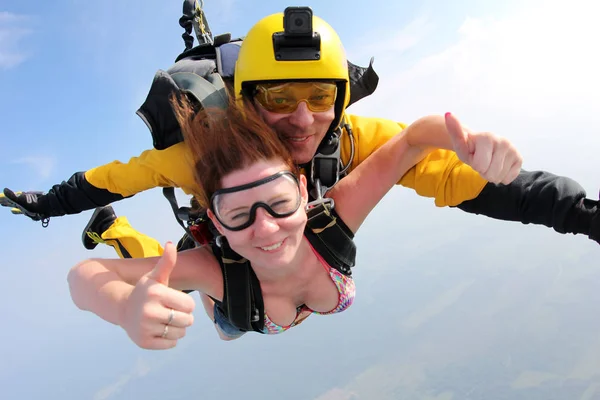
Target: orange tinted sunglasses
{"x": 284, "y": 98}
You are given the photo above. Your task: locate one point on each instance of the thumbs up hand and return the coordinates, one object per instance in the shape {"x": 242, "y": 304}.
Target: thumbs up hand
{"x": 495, "y": 158}
{"x": 156, "y": 316}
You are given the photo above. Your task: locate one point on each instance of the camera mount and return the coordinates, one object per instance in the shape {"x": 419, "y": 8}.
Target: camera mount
{"x": 298, "y": 41}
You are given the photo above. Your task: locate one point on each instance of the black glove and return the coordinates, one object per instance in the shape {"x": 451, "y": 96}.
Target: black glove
{"x": 584, "y": 218}
{"x": 26, "y": 203}
{"x": 595, "y": 223}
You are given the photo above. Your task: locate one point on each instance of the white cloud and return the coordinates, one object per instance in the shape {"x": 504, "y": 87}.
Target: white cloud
{"x": 338, "y": 394}
{"x": 11, "y": 33}
{"x": 224, "y": 12}
{"x": 395, "y": 42}
{"x": 142, "y": 368}
{"x": 6, "y": 17}
{"x": 535, "y": 57}
{"x": 532, "y": 76}
{"x": 43, "y": 165}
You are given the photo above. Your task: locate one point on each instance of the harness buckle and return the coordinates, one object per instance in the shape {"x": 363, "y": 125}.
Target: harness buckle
{"x": 318, "y": 195}
{"x": 325, "y": 169}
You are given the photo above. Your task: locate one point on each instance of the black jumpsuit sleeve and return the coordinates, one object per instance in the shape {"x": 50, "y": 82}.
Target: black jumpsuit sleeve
{"x": 539, "y": 197}
{"x": 74, "y": 196}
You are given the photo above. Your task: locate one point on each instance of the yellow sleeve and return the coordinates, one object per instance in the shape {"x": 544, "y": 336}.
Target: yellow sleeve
{"x": 441, "y": 175}
{"x": 153, "y": 168}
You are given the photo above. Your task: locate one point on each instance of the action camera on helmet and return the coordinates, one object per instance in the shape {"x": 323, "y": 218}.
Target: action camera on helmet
{"x": 297, "y": 41}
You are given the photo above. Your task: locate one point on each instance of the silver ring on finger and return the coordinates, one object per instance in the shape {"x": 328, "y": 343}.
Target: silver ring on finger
{"x": 165, "y": 332}
{"x": 171, "y": 316}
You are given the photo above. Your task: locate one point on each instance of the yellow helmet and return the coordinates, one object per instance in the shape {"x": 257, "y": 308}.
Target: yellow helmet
{"x": 257, "y": 61}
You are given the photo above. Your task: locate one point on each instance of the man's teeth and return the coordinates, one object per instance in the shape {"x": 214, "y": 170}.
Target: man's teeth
{"x": 272, "y": 247}
{"x": 298, "y": 139}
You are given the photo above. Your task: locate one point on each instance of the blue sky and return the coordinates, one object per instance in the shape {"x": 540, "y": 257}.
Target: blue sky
{"x": 73, "y": 73}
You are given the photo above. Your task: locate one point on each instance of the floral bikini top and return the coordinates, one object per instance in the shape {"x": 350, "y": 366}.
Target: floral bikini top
{"x": 346, "y": 290}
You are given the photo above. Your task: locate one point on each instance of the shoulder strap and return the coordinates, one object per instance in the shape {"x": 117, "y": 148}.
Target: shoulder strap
{"x": 242, "y": 297}
{"x": 326, "y": 168}
{"x": 332, "y": 239}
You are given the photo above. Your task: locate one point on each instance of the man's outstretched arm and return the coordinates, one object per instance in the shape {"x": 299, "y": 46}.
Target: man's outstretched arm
{"x": 542, "y": 198}
{"x": 108, "y": 183}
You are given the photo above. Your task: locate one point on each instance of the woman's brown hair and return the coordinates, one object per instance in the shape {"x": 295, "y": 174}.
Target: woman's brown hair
{"x": 222, "y": 141}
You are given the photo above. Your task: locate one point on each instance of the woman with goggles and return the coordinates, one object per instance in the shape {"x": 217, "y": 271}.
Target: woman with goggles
{"x": 257, "y": 202}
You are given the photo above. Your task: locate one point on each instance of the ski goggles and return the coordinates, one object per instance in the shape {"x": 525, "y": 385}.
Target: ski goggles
{"x": 283, "y": 98}
{"x": 235, "y": 208}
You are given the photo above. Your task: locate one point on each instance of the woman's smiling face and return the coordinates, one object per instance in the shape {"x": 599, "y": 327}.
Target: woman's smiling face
{"x": 270, "y": 241}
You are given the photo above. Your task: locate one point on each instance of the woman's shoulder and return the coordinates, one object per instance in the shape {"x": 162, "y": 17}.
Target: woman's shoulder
{"x": 198, "y": 269}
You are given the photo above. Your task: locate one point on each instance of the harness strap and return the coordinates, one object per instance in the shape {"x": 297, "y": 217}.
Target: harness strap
{"x": 181, "y": 213}
{"x": 326, "y": 168}
{"x": 332, "y": 239}
{"x": 242, "y": 297}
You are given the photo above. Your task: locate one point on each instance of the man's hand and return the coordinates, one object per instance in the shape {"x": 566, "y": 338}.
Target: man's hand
{"x": 494, "y": 157}
{"x": 26, "y": 203}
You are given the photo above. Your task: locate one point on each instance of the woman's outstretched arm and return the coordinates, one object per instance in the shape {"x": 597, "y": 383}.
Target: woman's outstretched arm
{"x": 138, "y": 294}
{"x": 495, "y": 158}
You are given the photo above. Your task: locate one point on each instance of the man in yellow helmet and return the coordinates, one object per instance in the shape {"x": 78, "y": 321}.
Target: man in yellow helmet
{"x": 288, "y": 71}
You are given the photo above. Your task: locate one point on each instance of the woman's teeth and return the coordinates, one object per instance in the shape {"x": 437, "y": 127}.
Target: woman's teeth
{"x": 272, "y": 247}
